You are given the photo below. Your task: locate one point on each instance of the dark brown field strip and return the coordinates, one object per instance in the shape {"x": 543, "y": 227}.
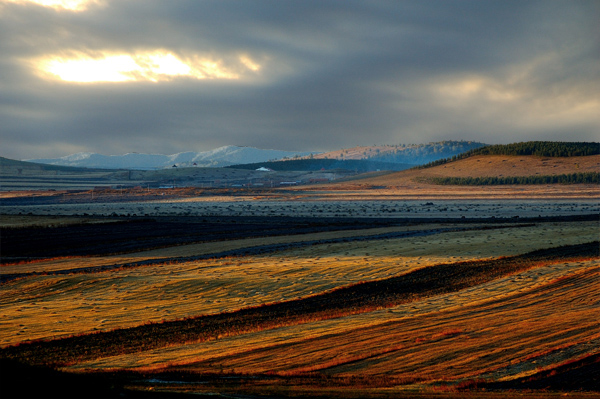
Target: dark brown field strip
{"x": 579, "y": 375}
{"x": 142, "y": 233}
{"x": 358, "y": 298}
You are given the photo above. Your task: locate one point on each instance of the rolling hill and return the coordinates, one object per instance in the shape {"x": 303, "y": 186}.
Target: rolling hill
{"x": 482, "y": 166}
{"x": 12, "y": 166}
{"x": 21, "y": 175}
{"x": 222, "y": 156}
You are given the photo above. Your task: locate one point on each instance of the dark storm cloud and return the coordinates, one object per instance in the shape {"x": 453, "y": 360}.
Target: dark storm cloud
{"x": 334, "y": 74}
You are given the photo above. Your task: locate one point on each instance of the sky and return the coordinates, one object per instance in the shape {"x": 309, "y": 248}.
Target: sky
{"x": 163, "y": 76}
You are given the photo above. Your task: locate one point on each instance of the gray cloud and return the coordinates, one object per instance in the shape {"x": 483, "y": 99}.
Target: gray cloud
{"x": 334, "y": 74}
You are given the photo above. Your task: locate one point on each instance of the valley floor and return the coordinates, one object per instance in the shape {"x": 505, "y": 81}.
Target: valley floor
{"x": 322, "y": 299}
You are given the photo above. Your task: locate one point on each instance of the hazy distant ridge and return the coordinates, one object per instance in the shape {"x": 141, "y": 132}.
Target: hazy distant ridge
{"x": 415, "y": 154}
{"x": 222, "y": 156}
{"x": 383, "y": 156}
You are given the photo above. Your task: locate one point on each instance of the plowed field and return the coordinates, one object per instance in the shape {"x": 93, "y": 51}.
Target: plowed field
{"x": 273, "y": 306}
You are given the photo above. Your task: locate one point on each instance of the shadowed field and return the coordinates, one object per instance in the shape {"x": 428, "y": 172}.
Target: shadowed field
{"x": 268, "y": 306}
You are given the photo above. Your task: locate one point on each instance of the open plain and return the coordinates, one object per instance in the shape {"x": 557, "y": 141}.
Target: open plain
{"x": 276, "y": 298}
{"x": 383, "y": 287}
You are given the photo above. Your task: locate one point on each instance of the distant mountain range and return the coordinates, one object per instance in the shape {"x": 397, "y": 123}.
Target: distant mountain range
{"x": 416, "y": 154}
{"x": 219, "y": 157}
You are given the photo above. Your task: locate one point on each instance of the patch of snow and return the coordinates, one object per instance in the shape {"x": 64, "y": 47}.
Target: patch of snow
{"x": 218, "y": 157}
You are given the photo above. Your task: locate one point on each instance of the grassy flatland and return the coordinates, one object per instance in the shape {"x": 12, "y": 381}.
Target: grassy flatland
{"x": 352, "y": 309}
{"x": 43, "y": 306}
{"x": 358, "y": 298}
{"x": 45, "y": 265}
{"x": 231, "y": 346}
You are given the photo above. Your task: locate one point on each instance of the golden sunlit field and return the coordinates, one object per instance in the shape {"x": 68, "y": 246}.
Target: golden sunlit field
{"x": 49, "y": 306}
{"x": 293, "y": 307}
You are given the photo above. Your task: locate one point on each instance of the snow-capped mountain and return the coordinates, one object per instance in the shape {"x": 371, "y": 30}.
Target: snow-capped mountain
{"x": 219, "y": 157}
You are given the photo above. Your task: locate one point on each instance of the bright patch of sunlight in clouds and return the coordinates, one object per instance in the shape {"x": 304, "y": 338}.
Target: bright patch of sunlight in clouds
{"x": 118, "y": 68}
{"x": 249, "y": 63}
{"x": 71, "y": 5}
{"x": 151, "y": 66}
{"x": 477, "y": 88}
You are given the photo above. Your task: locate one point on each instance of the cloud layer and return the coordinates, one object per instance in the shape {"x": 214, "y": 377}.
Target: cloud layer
{"x": 156, "y": 76}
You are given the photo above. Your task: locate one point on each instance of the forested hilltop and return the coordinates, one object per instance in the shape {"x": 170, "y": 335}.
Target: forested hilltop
{"x": 535, "y": 148}
{"x": 540, "y": 149}
{"x": 573, "y": 178}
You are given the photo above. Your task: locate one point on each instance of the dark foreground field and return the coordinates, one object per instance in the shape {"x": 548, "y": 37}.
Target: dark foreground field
{"x": 41, "y": 382}
{"x": 154, "y": 307}
{"x": 114, "y": 235}
{"x": 125, "y": 234}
